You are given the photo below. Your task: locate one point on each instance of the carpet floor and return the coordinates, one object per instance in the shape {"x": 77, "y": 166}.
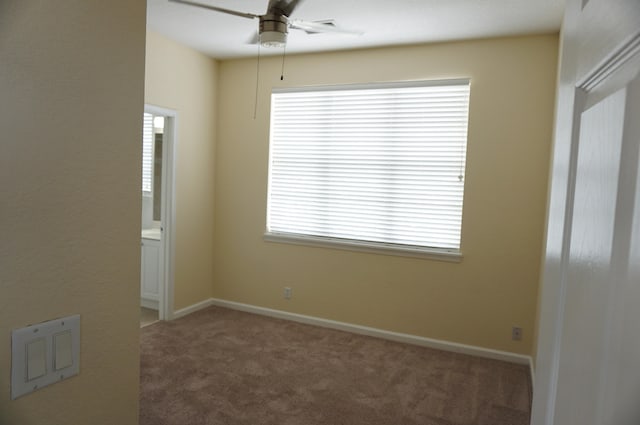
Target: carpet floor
{"x": 219, "y": 366}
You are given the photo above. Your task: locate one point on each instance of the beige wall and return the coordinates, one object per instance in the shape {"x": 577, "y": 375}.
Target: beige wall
{"x": 71, "y": 84}
{"x": 184, "y": 80}
{"x": 475, "y": 302}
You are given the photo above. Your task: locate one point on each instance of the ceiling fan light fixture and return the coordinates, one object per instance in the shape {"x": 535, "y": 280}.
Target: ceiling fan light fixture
{"x": 274, "y": 25}
{"x": 273, "y": 39}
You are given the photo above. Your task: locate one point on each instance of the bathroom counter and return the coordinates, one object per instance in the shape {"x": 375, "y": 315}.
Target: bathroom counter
{"x": 154, "y": 234}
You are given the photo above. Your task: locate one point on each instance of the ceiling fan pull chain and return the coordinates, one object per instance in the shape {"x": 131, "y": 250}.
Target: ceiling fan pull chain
{"x": 284, "y": 54}
{"x": 255, "y": 104}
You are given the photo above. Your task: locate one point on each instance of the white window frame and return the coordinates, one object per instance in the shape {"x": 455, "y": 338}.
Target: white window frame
{"x": 438, "y": 253}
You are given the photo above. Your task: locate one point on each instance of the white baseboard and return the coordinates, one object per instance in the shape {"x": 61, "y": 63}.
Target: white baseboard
{"x": 193, "y": 308}
{"x": 364, "y": 330}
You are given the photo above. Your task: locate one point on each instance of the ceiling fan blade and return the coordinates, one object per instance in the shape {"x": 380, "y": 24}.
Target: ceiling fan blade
{"x": 286, "y": 7}
{"x": 217, "y": 9}
{"x": 319, "y": 27}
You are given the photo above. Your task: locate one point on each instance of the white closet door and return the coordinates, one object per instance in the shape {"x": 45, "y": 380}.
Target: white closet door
{"x": 589, "y": 346}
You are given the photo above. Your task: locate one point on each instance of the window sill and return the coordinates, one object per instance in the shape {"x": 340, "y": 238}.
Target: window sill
{"x": 369, "y": 247}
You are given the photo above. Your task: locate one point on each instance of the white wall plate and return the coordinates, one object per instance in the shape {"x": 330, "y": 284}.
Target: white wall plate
{"x": 43, "y": 354}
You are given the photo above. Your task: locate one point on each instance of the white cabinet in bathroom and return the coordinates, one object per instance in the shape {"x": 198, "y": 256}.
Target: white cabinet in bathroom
{"x": 150, "y": 273}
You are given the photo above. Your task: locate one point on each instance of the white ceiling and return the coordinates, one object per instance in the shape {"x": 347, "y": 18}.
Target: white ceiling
{"x": 383, "y": 23}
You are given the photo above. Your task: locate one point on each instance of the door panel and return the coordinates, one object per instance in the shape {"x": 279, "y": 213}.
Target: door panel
{"x": 620, "y": 388}
{"x": 589, "y": 289}
{"x": 589, "y": 338}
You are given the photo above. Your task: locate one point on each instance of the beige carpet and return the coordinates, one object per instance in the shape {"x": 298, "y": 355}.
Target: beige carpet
{"x": 219, "y": 366}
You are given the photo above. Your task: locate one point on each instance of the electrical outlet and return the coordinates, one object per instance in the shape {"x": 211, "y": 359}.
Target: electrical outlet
{"x": 287, "y": 293}
{"x": 516, "y": 333}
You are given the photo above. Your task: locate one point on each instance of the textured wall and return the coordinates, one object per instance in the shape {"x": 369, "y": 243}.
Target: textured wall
{"x": 71, "y": 84}
{"x": 184, "y": 80}
{"x": 475, "y": 302}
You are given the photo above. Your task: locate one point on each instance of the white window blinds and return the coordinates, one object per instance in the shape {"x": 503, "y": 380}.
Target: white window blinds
{"x": 381, "y": 164}
{"x": 147, "y": 153}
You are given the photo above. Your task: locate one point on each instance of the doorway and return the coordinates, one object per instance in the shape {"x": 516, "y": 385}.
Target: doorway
{"x": 158, "y": 214}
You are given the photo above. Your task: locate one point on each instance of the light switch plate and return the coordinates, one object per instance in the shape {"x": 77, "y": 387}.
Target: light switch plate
{"x": 43, "y": 354}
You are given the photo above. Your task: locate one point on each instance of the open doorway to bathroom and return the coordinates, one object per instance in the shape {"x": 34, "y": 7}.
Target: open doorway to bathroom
{"x": 156, "y": 274}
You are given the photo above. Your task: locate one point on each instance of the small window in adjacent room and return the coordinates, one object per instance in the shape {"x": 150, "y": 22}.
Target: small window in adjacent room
{"x": 147, "y": 154}
{"x": 372, "y": 167}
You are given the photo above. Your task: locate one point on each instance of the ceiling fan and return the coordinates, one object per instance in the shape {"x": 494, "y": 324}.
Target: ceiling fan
{"x": 275, "y": 23}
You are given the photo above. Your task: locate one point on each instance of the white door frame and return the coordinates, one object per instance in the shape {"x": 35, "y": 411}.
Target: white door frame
{"x": 168, "y": 209}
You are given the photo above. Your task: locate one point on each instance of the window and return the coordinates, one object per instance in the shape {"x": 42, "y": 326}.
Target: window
{"x": 377, "y": 166}
{"x": 152, "y": 136}
{"x": 147, "y": 154}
